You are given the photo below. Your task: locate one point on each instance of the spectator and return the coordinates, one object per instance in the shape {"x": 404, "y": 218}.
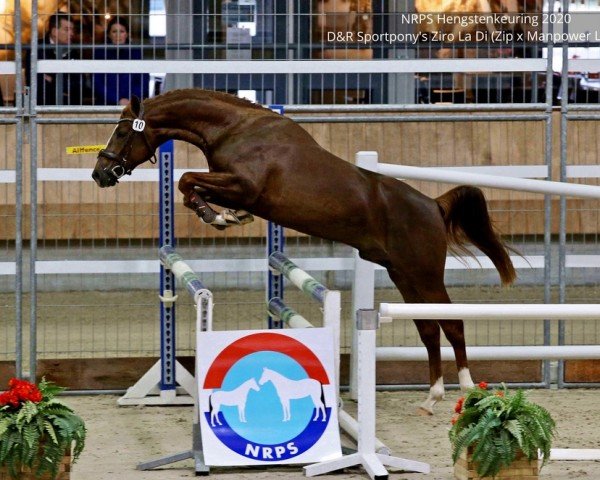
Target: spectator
{"x": 56, "y": 46}
{"x": 117, "y": 88}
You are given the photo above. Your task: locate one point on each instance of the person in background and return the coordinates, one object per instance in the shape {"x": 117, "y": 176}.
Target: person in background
{"x": 117, "y": 88}
{"x": 53, "y": 88}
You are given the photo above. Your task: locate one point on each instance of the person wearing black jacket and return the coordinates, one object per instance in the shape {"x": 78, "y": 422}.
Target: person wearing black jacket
{"x": 59, "y": 88}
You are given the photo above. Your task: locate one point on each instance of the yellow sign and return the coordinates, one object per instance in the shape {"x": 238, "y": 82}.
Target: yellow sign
{"x": 81, "y": 149}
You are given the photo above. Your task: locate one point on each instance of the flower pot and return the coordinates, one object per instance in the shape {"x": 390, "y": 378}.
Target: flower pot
{"x": 64, "y": 471}
{"x": 520, "y": 469}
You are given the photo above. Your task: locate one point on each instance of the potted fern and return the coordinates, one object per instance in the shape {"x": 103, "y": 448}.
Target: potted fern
{"x": 496, "y": 431}
{"x": 38, "y": 432}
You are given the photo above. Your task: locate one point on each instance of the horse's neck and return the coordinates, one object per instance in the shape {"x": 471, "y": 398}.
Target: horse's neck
{"x": 277, "y": 376}
{"x": 200, "y": 121}
{"x": 247, "y": 385}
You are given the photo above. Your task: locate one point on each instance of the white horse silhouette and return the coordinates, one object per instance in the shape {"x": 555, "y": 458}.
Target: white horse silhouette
{"x": 292, "y": 389}
{"x": 236, "y": 397}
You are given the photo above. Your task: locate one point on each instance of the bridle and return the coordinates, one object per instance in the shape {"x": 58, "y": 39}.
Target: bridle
{"x": 122, "y": 167}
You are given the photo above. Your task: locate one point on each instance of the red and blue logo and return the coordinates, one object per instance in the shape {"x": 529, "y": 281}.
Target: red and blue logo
{"x": 266, "y": 397}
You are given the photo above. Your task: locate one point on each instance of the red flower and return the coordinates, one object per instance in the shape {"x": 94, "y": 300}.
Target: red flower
{"x": 483, "y": 385}
{"x": 9, "y": 398}
{"x": 454, "y": 420}
{"x": 459, "y": 405}
{"x": 20, "y": 391}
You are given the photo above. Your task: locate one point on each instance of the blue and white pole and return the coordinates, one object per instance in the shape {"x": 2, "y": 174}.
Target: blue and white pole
{"x": 167, "y": 279}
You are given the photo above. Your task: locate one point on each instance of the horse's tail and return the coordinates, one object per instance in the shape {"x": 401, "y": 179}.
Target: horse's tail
{"x": 466, "y": 216}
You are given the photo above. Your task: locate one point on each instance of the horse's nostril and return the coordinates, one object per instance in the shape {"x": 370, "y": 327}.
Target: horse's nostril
{"x": 95, "y": 175}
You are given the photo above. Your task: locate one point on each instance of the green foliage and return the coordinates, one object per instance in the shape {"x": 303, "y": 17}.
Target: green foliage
{"x": 37, "y": 434}
{"x": 496, "y": 425}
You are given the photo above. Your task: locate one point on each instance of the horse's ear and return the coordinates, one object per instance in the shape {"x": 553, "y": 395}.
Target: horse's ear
{"x": 134, "y": 103}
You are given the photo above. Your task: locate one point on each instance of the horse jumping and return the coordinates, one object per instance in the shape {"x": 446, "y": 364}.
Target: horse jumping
{"x": 262, "y": 163}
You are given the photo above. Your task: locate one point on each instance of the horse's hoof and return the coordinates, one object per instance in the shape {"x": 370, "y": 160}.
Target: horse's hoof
{"x": 237, "y": 217}
{"x": 244, "y": 217}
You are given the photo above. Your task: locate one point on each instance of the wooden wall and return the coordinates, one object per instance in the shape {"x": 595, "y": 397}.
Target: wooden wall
{"x": 81, "y": 210}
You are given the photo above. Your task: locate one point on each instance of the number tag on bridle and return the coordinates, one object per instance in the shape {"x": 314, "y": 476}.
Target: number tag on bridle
{"x": 138, "y": 125}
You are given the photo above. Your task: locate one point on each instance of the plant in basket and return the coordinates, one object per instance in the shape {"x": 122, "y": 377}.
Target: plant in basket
{"x": 496, "y": 427}
{"x": 37, "y": 430}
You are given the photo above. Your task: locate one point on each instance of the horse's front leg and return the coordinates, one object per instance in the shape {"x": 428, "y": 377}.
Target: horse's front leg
{"x": 221, "y": 188}
{"x": 214, "y": 418}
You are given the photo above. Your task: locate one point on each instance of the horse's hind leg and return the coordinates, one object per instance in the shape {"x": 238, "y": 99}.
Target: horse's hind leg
{"x": 319, "y": 408}
{"x": 418, "y": 291}
{"x": 455, "y": 333}
{"x": 429, "y": 331}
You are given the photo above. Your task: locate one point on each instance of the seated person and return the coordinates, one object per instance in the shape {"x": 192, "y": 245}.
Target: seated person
{"x": 117, "y": 88}
{"x": 56, "y": 46}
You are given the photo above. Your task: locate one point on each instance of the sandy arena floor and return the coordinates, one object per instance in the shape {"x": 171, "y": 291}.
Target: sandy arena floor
{"x": 121, "y": 437}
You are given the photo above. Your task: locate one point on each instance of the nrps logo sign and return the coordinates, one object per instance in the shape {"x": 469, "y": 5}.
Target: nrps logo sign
{"x": 267, "y": 397}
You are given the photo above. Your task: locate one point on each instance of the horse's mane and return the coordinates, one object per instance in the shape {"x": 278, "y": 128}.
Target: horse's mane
{"x": 200, "y": 94}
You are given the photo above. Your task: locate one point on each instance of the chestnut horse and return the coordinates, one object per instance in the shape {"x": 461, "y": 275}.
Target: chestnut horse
{"x": 262, "y": 163}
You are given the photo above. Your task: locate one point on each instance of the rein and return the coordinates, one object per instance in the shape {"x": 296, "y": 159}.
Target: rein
{"x": 122, "y": 168}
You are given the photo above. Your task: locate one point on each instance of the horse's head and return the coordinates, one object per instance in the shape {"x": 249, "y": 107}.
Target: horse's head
{"x": 265, "y": 377}
{"x": 129, "y": 145}
{"x": 254, "y": 385}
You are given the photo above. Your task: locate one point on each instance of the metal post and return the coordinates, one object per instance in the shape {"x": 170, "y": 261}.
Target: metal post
{"x": 275, "y": 243}
{"x": 33, "y": 197}
{"x": 19, "y": 197}
{"x": 562, "y": 232}
{"x": 167, "y": 279}
{"x": 548, "y": 198}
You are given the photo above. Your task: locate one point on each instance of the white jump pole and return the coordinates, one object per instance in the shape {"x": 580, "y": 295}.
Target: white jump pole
{"x": 524, "y": 352}
{"x": 492, "y": 181}
{"x": 581, "y": 454}
{"x": 488, "y": 311}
